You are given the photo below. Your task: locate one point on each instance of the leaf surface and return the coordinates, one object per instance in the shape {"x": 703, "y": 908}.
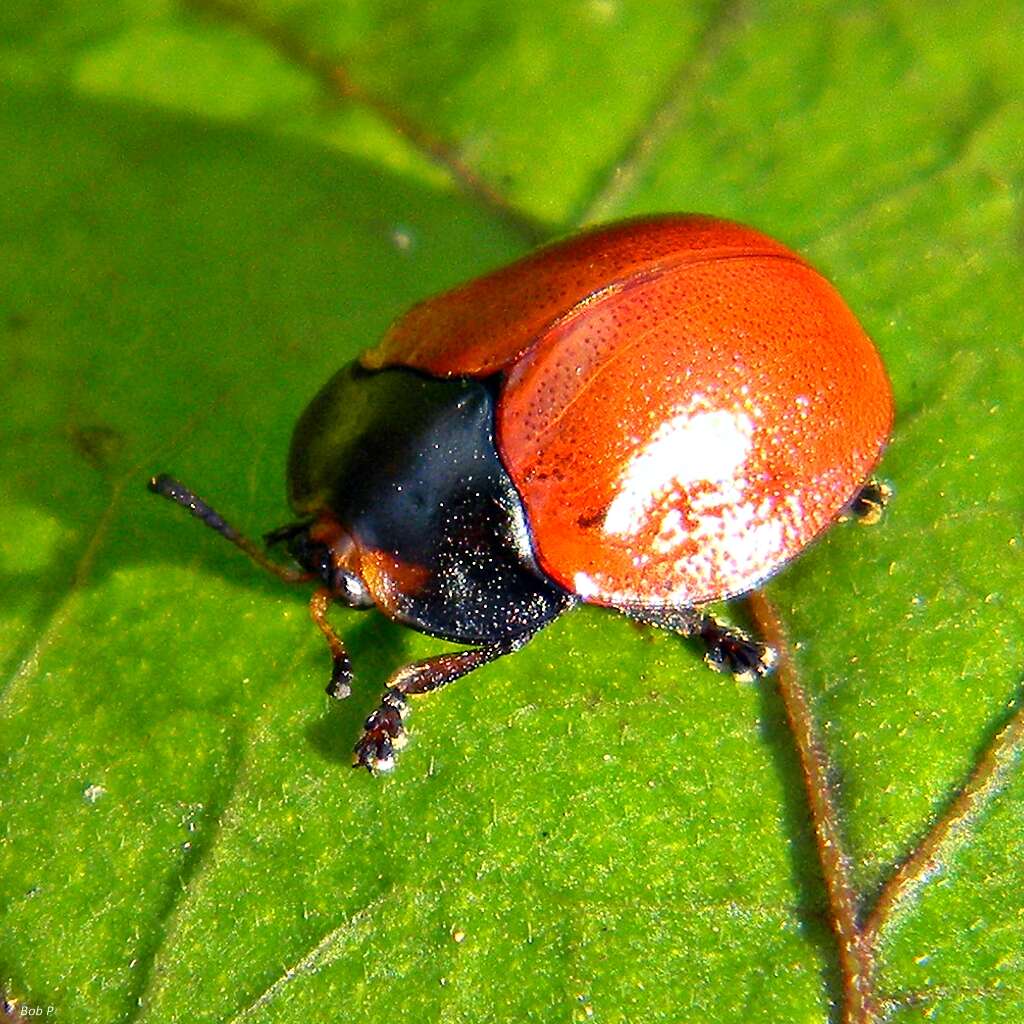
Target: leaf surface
{"x": 199, "y": 229}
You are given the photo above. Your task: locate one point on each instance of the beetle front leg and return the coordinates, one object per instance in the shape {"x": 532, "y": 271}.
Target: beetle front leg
{"x": 340, "y": 685}
{"x": 384, "y": 730}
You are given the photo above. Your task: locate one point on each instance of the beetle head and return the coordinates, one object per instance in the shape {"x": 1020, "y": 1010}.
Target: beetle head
{"x": 325, "y": 551}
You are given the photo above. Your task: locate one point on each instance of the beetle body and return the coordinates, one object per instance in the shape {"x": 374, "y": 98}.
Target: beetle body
{"x": 649, "y": 416}
{"x": 401, "y": 476}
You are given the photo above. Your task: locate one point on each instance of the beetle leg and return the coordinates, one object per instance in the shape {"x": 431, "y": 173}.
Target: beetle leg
{"x": 340, "y": 685}
{"x": 726, "y": 648}
{"x": 384, "y": 730}
{"x": 869, "y": 504}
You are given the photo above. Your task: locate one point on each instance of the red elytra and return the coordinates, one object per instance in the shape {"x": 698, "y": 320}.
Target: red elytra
{"x": 649, "y": 416}
{"x": 686, "y": 403}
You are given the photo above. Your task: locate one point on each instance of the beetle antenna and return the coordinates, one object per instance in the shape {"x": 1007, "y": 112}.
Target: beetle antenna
{"x": 167, "y": 487}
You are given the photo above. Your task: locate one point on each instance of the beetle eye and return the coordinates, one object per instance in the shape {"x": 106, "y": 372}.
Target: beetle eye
{"x": 313, "y": 557}
{"x": 349, "y": 589}
{"x": 320, "y": 563}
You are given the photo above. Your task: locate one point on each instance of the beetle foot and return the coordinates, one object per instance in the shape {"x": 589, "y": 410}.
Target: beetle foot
{"x": 870, "y": 503}
{"x": 383, "y": 734}
{"x": 340, "y": 685}
{"x": 729, "y": 650}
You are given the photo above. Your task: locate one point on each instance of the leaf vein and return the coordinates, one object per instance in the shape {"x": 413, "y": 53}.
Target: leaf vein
{"x": 986, "y": 106}
{"x": 336, "y": 81}
{"x": 319, "y": 955}
{"x": 639, "y": 150}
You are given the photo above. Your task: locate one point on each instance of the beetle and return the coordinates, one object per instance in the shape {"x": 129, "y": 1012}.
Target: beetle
{"x": 648, "y": 416}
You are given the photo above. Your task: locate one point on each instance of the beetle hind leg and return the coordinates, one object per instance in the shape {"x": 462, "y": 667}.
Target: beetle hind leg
{"x": 870, "y": 503}
{"x": 726, "y": 648}
{"x": 384, "y": 730}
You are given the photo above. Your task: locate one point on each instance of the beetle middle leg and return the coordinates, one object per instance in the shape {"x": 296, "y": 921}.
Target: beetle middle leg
{"x": 384, "y": 730}
{"x": 726, "y": 648}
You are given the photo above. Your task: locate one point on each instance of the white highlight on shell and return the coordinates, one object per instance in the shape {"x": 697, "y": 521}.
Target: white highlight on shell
{"x": 585, "y": 586}
{"x": 737, "y": 540}
{"x": 690, "y": 448}
{"x": 697, "y": 464}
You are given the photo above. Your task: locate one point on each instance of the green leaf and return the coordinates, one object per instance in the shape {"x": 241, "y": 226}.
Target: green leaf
{"x": 199, "y": 226}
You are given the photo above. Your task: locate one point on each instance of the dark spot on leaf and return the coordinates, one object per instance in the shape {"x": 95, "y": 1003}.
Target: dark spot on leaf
{"x": 100, "y": 445}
